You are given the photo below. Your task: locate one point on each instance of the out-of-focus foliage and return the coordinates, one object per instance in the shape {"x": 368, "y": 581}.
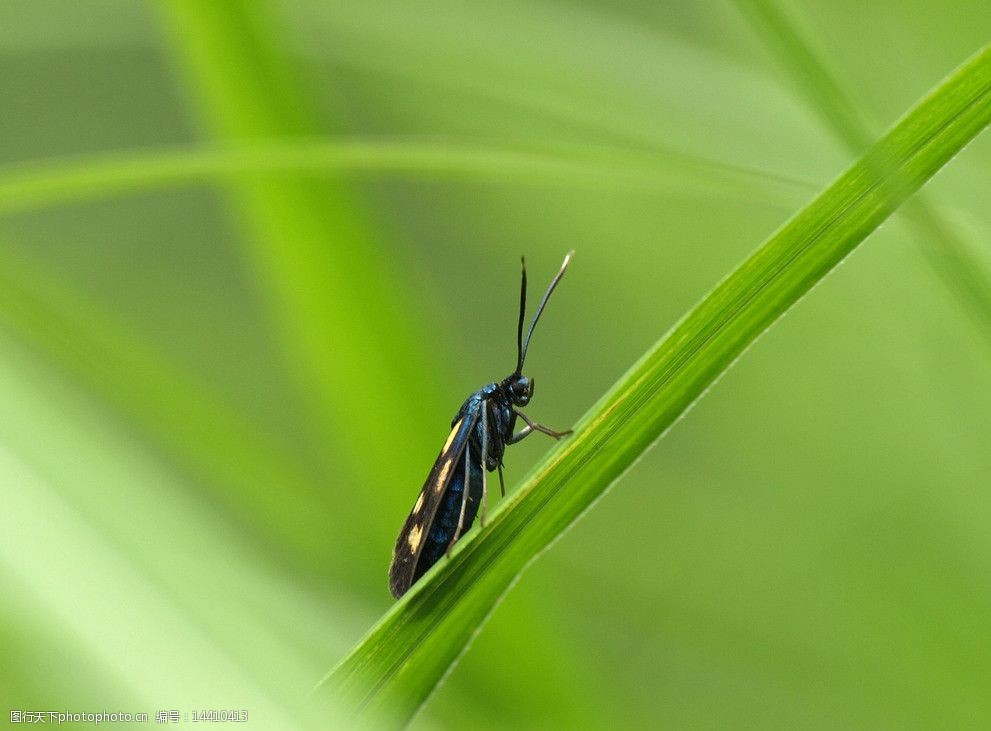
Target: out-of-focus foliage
{"x": 394, "y": 669}
{"x": 250, "y": 264}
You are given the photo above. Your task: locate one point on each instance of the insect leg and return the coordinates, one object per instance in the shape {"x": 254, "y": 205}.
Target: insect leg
{"x": 464, "y": 499}
{"x": 502, "y": 483}
{"x": 520, "y": 435}
{"x": 485, "y": 458}
{"x": 532, "y": 426}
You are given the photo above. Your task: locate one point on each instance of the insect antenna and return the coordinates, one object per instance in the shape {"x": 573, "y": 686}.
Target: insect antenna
{"x": 519, "y": 326}
{"x": 540, "y": 308}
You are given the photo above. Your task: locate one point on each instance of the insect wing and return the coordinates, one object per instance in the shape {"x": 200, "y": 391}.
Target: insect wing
{"x": 412, "y": 537}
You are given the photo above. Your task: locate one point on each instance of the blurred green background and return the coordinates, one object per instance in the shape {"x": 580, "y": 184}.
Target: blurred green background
{"x": 254, "y": 256}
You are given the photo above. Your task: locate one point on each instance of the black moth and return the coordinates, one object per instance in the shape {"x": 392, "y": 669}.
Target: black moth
{"x": 456, "y": 486}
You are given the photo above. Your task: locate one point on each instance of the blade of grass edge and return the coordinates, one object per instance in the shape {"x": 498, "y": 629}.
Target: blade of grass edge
{"x": 39, "y": 184}
{"x": 950, "y": 257}
{"x": 334, "y": 295}
{"x": 395, "y": 667}
{"x": 236, "y": 460}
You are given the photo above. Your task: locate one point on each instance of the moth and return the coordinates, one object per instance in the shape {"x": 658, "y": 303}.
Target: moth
{"x": 456, "y": 486}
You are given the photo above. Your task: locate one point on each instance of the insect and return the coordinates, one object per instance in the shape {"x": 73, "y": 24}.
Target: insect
{"x": 480, "y": 432}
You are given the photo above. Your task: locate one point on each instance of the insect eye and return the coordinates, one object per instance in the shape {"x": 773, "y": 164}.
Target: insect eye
{"x": 522, "y": 389}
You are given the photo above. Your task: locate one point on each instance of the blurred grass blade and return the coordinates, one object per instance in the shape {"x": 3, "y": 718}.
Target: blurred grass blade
{"x": 392, "y": 671}
{"x": 84, "y": 567}
{"x": 809, "y": 73}
{"x": 40, "y": 184}
{"x": 239, "y": 462}
{"x": 957, "y": 267}
{"x": 335, "y": 298}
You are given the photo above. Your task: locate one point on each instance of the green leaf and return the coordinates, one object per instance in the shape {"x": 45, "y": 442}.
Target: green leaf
{"x": 334, "y": 296}
{"x": 45, "y": 183}
{"x": 173, "y": 406}
{"x": 393, "y": 670}
{"x": 954, "y": 263}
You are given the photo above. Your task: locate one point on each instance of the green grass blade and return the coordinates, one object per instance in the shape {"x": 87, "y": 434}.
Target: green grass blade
{"x": 392, "y": 671}
{"x": 809, "y": 73}
{"x": 85, "y": 566}
{"x": 334, "y": 295}
{"x": 951, "y": 259}
{"x": 42, "y": 184}
{"x": 174, "y": 407}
